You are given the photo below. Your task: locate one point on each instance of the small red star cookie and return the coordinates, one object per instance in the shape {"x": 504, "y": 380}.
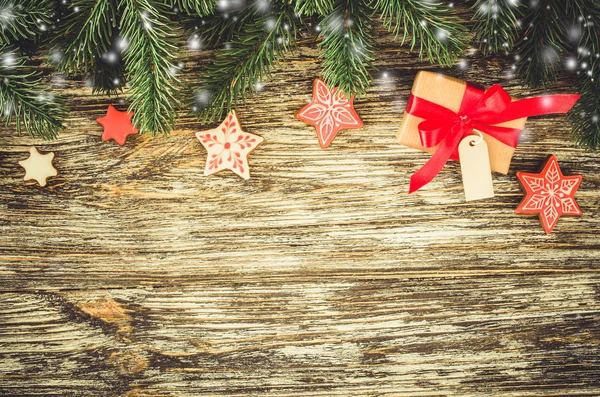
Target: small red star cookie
{"x": 117, "y": 125}
{"x": 329, "y": 112}
{"x": 38, "y": 166}
{"x": 228, "y": 147}
{"x": 550, "y": 194}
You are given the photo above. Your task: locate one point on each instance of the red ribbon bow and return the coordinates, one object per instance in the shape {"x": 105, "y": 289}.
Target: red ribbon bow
{"x": 480, "y": 111}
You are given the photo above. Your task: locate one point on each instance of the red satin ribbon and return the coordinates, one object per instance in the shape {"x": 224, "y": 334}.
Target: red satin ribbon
{"x": 479, "y": 110}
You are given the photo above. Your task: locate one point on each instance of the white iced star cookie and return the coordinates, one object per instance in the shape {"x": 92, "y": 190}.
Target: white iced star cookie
{"x": 228, "y": 147}
{"x": 38, "y": 166}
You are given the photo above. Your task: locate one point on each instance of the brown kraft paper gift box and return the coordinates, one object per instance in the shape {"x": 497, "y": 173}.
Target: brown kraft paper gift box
{"x": 448, "y": 92}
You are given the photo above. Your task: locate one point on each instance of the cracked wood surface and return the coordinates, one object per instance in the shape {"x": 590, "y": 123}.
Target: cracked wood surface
{"x": 133, "y": 275}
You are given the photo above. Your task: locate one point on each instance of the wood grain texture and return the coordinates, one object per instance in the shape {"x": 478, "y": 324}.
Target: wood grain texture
{"x": 130, "y": 274}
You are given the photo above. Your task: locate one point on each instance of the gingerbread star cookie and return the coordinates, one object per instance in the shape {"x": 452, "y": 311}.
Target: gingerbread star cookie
{"x": 228, "y": 147}
{"x": 549, "y": 194}
{"x": 329, "y": 112}
{"x": 117, "y": 125}
{"x": 38, "y": 166}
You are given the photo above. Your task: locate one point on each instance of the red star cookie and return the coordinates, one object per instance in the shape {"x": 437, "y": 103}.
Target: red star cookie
{"x": 329, "y": 112}
{"x": 117, "y": 125}
{"x": 549, "y": 194}
{"x": 228, "y": 147}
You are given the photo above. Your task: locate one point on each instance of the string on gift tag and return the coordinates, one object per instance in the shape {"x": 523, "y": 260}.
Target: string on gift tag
{"x": 475, "y": 167}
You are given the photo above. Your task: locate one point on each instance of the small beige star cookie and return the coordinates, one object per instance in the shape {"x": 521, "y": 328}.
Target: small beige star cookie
{"x": 39, "y": 166}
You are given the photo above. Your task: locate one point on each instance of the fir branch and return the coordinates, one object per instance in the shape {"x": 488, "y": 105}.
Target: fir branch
{"x": 108, "y": 76}
{"x": 585, "y": 115}
{"x": 87, "y": 32}
{"x": 220, "y": 29}
{"x": 24, "y": 19}
{"x": 23, "y": 101}
{"x": 496, "y": 24}
{"x": 310, "y": 7}
{"x": 441, "y": 36}
{"x": 348, "y": 50}
{"x": 245, "y": 62}
{"x": 150, "y": 65}
{"x": 198, "y": 8}
{"x": 542, "y": 44}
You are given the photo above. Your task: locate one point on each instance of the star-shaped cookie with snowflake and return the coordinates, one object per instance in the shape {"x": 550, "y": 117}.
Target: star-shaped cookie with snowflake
{"x": 228, "y": 147}
{"x": 549, "y": 194}
{"x": 329, "y": 111}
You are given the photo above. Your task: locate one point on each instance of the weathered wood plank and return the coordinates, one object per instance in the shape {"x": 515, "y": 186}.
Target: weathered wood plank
{"x": 470, "y": 337}
{"x": 130, "y": 274}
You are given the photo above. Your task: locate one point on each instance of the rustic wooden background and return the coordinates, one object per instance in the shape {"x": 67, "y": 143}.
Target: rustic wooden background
{"x": 133, "y": 275}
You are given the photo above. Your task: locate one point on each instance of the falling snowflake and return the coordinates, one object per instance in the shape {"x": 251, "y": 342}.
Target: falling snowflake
{"x": 9, "y": 60}
{"x": 194, "y": 43}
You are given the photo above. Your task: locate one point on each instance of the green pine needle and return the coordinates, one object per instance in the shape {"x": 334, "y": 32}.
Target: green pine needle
{"x": 542, "y": 45}
{"x": 23, "y": 100}
{"x": 496, "y": 24}
{"x": 24, "y": 19}
{"x": 150, "y": 65}
{"x": 219, "y": 29}
{"x": 348, "y": 47}
{"x": 108, "y": 77}
{"x": 310, "y": 7}
{"x": 440, "y": 35}
{"x": 585, "y": 115}
{"x": 87, "y": 33}
{"x": 198, "y": 8}
{"x": 245, "y": 61}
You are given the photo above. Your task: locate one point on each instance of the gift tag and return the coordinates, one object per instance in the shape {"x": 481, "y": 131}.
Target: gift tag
{"x": 475, "y": 167}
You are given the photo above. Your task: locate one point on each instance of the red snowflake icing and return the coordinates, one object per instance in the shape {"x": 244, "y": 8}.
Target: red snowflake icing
{"x": 329, "y": 112}
{"x": 549, "y": 194}
{"x": 228, "y": 147}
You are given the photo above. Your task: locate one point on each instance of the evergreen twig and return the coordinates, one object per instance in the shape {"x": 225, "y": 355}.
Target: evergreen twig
{"x": 198, "y": 8}
{"x": 219, "y": 29}
{"x": 24, "y": 19}
{"x": 245, "y": 61}
{"x": 84, "y": 44}
{"x": 440, "y": 35}
{"x": 108, "y": 76}
{"x": 543, "y": 42}
{"x": 87, "y": 37}
{"x": 496, "y": 24}
{"x": 310, "y": 7}
{"x": 585, "y": 115}
{"x": 348, "y": 49}
{"x": 23, "y": 100}
{"x": 150, "y": 65}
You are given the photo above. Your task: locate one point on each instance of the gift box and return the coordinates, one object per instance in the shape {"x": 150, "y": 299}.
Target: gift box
{"x": 449, "y": 92}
